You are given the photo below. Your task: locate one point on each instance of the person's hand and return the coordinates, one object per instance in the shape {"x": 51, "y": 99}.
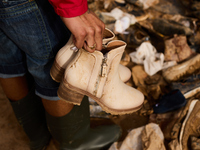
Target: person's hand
{"x": 87, "y": 30}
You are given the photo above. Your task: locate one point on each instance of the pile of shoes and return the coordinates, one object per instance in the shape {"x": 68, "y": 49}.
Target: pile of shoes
{"x": 150, "y": 66}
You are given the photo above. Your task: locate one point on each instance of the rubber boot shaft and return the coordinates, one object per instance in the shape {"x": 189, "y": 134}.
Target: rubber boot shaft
{"x": 73, "y": 131}
{"x": 30, "y": 114}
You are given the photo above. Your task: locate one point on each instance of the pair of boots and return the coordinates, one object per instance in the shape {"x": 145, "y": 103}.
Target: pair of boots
{"x": 72, "y": 131}
{"x": 67, "y": 53}
{"x": 97, "y": 75}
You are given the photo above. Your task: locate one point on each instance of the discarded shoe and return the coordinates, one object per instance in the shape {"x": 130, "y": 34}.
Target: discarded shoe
{"x": 170, "y": 27}
{"x": 190, "y": 125}
{"x": 183, "y": 69}
{"x": 142, "y": 138}
{"x": 170, "y": 122}
{"x": 151, "y": 132}
{"x": 166, "y": 121}
{"x": 187, "y": 84}
{"x": 170, "y": 102}
{"x": 177, "y": 49}
{"x": 67, "y": 53}
{"x": 107, "y": 19}
{"x": 96, "y": 75}
{"x": 134, "y": 35}
{"x": 139, "y": 13}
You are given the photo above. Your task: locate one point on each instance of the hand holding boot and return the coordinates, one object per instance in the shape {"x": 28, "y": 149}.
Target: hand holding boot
{"x": 87, "y": 30}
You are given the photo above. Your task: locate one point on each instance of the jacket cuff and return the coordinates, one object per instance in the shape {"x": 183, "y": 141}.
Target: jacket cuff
{"x": 66, "y": 12}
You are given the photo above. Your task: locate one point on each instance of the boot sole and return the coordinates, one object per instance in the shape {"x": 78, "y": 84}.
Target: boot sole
{"x": 186, "y": 68}
{"x": 56, "y": 72}
{"x": 192, "y": 93}
{"x": 66, "y": 92}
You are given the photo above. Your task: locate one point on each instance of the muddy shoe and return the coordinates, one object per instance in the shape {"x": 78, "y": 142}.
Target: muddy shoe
{"x": 170, "y": 122}
{"x": 139, "y": 13}
{"x": 187, "y": 84}
{"x": 190, "y": 125}
{"x": 181, "y": 70}
{"x": 134, "y": 35}
{"x": 170, "y": 27}
{"x": 105, "y": 18}
{"x": 68, "y": 52}
{"x": 166, "y": 122}
{"x": 95, "y": 75}
{"x": 150, "y": 133}
{"x": 177, "y": 49}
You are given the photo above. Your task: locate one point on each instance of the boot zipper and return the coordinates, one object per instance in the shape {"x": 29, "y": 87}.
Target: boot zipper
{"x": 104, "y": 67}
{"x": 103, "y": 73}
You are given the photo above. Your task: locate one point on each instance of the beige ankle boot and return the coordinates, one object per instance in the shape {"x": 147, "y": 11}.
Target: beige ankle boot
{"x": 97, "y": 76}
{"x": 67, "y": 53}
{"x": 124, "y": 73}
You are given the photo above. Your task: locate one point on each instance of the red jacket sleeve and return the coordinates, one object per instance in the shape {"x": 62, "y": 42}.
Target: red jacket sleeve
{"x": 69, "y": 8}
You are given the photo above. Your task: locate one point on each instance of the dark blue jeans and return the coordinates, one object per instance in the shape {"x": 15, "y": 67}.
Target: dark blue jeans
{"x": 30, "y": 36}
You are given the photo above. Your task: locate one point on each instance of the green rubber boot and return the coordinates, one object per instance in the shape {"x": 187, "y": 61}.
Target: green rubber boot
{"x": 30, "y": 114}
{"x": 73, "y": 131}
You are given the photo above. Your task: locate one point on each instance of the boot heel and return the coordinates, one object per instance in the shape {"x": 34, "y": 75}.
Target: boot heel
{"x": 66, "y": 94}
{"x": 56, "y": 72}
